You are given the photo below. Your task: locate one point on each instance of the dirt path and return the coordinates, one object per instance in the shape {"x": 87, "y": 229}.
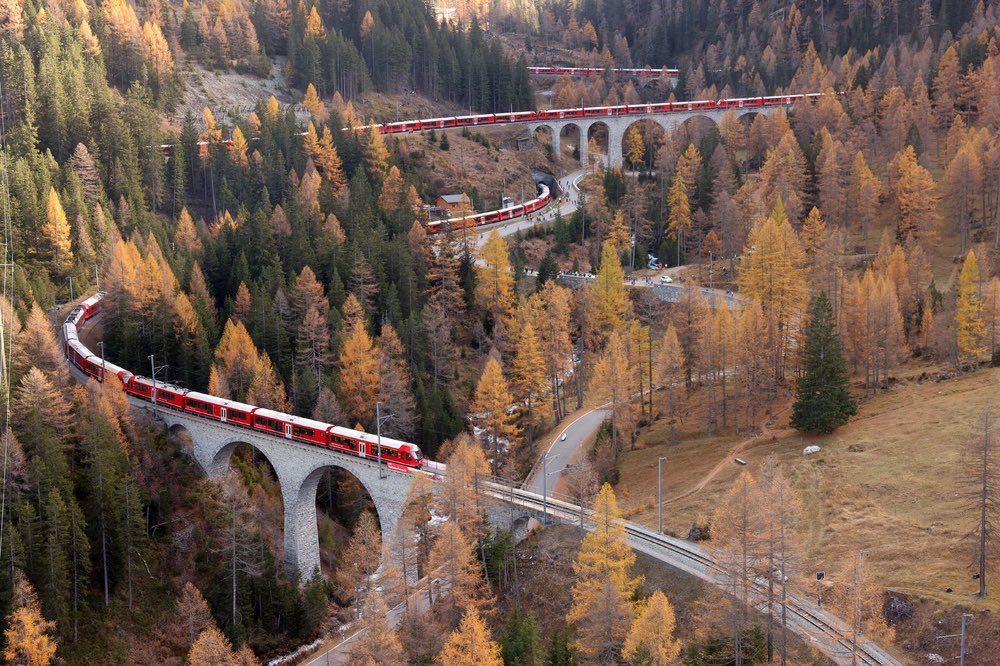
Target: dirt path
{"x": 766, "y": 430}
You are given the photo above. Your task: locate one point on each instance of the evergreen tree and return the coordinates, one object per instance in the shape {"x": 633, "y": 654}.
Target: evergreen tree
{"x": 823, "y": 401}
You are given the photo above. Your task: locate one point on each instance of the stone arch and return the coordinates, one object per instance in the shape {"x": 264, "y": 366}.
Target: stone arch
{"x": 600, "y": 132}
{"x": 545, "y": 134}
{"x": 654, "y": 133}
{"x": 219, "y": 464}
{"x": 573, "y": 132}
{"x": 307, "y": 496}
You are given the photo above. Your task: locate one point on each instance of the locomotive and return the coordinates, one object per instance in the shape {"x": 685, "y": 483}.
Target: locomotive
{"x": 399, "y": 455}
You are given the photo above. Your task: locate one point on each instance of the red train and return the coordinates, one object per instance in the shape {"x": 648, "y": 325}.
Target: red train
{"x": 397, "y": 454}
{"x": 493, "y": 216}
{"x": 410, "y": 126}
{"x": 645, "y": 73}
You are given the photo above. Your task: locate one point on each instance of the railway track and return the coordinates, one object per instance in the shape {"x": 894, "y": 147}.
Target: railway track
{"x": 824, "y": 631}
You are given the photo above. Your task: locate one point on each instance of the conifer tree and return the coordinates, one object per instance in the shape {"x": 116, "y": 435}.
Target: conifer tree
{"x": 359, "y": 381}
{"x": 652, "y": 633}
{"x": 528, "y": 371}
{"x": 495, "y": 286}
{"x": 490, "y": 405}
{"x": 27, "y": 635}
{"x": 57, "y": 231}
{"x": 680, "y": 213}
{"x": 378, "y": 645}
{"x": 602, "y": 612}
{"x": 609, "y": 292}
{"x": 471, "y": 644}
{"x": 970, "y": 329}
{"x": 635, "y": 147}
{"x": 823, "y": 399}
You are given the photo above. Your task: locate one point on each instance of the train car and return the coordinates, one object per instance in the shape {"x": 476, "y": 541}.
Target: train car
{"x": 219, "y": 409}
{"x": 159, "y": 393}
{"x": 365, "y": 445}
{"x": 92, "y": 305}
{"x": 291, "y": 427}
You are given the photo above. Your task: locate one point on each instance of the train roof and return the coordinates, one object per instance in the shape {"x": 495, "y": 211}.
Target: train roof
{"x": 223, "y": 402}
{"x": 368, "y": 437}
{"x": 162, "y": 386}
{"x": 297, "y": 420}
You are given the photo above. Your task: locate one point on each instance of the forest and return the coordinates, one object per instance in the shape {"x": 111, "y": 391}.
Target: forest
{"x": 286, "y": 264}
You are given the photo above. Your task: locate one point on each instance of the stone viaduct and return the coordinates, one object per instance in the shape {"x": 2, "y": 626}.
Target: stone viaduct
{"x": 299, "y": 468}
{"x": 618, "y": 125}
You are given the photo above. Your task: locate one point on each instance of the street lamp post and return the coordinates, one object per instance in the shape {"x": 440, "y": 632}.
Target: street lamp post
{"x": 659, "y": 494}
{"x": 378, "y": 429}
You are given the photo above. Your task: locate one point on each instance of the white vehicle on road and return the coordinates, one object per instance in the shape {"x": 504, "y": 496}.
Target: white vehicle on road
{"x": 666, "y": 279}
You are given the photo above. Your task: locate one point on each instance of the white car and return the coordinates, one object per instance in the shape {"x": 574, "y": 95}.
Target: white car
{"x": 666, "y": 279}
{"x": 563, "y": 438}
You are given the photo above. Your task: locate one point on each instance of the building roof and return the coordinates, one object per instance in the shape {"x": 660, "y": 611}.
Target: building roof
{"x": 454, "y": 198}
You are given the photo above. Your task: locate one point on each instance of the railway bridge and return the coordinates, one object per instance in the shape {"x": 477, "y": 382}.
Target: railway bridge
{"x": 618, "y": 125}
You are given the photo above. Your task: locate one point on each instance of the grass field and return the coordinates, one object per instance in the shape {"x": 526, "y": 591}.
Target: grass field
{"x": 894, "y": 481}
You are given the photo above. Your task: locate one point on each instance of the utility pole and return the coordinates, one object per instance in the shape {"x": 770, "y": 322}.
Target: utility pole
{"x": 152, "y": 368}
{"x": 71, "y": 297}
{"x": 545, "y": 489}
{"x": 104, "y": 367}
{"x": 378, "y": 430}
{"x": 659, "y": 494}
{"x": 961, "y": 654}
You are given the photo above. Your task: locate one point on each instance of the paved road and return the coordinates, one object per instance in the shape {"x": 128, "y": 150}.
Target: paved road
{"x": 570, "y": 193}
{"x": 561, "y": 451}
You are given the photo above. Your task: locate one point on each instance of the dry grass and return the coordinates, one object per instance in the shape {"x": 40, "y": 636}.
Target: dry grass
{"x": 892, "y": 482}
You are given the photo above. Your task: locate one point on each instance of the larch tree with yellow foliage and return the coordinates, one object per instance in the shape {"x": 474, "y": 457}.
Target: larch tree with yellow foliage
{"x": 57, "y": 232}
{"x": 679, "y": 219}
{"x": 528, "y": 374}
{"x": 772, "y": 273}
{"x": 239, "y": 148}
{"x": 611, "y": 382}
{"x": 491, "y": 412}
{"x": 376, "y": 155}
{"x": 863, "y": 192}
{"x": 651, "y": 638}
{"x": 359, "y": 381}
{"x": 602, "y": 612}
{"x": 619, "y": 233}
{"x": 916, "y": 200}
{"x": 970, "y": 328}
{"x": 609, "y": 292}
{"x": 313, "y": 103}
{"x": 471, "y": 644}
{"x": 28, "y": 635}
{"x": 495, "y": 286}
{"x": 635, "y": 147}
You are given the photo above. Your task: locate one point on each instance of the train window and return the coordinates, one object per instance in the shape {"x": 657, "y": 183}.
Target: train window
{"x": 303, "y": 432}
{"x": 409, "y": 457}
{"x": 238, "y": 416}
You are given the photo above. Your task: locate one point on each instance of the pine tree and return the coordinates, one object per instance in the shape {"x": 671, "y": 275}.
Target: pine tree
{"x": 653, "y": 632}
{"x": 193, "y": 614}
{"x": 471, "y": 644}
{"x": 823, "y": 399}
{"x": 458, "y": 581}
{"x": 601, "y": 611}
{"x": 916, "y": 200}
{"x": 970, "y": 329}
